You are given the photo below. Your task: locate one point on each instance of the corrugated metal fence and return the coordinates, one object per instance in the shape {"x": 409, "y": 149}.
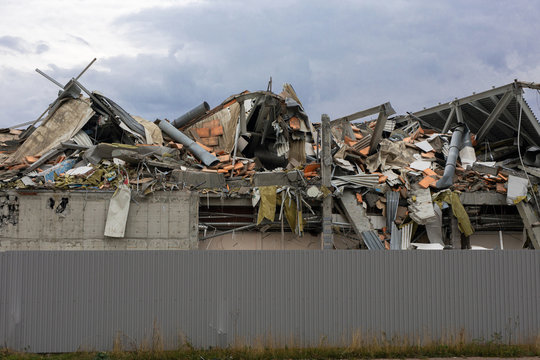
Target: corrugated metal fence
{"x": 91, "y": 300}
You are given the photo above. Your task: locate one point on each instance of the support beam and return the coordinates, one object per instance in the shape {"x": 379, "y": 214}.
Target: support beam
{"x": 529, "y": 85}
{"x": 467, "y": 99}
{"x": 441, "y": 116}
{"x": 530, "y": 222}
{"x": 513, "y": 121}
{"x": 243, "y": 123}
{"x": 355, "y": 213}
{"x": 510, "y": 126}
{"x": 367, "y": 112}
{"x": 459, "y": 115}
{"x": 379, "y": 127}
{"x": 449, "y": 120}
{"x": 494, "y": 116}
{"x": 327, "y": 237}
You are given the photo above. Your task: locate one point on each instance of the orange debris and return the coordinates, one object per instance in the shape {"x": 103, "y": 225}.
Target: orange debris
{"x": 428, "y": 155}
{"x": 31, "y": 159}
{"x": 429, "y": 172}
{"x": 216, "y": 131}
{"x": 224, "y": 158}
{"x": 203, "y": 132}
{"x": 311, "y": 168}
{"x": 427, "y": 181}
{"x": 294, "y": 123}
{"x": 210, "y": 141}
{"x": 349, "y": 141}
{"x": 364, "y": 151}
{"x": 204, "y": 147}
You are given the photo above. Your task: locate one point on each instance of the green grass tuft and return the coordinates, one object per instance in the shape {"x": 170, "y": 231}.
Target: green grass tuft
{"x": 354, "y": 351}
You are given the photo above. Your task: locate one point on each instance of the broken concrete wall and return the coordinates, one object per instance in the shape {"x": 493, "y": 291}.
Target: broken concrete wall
{"x": 51, "y": 220}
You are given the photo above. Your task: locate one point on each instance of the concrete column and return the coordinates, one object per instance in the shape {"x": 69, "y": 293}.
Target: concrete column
{"x": 327, "y": 238}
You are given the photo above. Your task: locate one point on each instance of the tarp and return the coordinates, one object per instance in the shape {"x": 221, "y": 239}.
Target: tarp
{"x": 118, "y": 212}
{"x": 452, "y": 199}
{"x": 267, "y": 204}
{"x": 61, "y": 126}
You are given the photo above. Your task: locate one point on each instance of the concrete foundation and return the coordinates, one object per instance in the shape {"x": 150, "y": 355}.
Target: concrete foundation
{"x": 51, "y": 220}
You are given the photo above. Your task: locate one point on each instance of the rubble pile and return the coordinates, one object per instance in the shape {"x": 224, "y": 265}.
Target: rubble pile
{"x": 396, "y": 181}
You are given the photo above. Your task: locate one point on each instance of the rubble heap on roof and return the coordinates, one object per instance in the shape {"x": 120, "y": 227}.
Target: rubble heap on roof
{"x": 428, "y": 180}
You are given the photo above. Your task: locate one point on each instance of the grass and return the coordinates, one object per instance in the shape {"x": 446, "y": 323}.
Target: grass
{"x": 354, "y": 351}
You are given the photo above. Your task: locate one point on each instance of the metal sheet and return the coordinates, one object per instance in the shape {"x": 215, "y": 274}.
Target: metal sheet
{"x": 372, "y": 241}
{"x": 67, "y": 301}
{"x": 392, "y": 203}
{"x": 395, "y": 240}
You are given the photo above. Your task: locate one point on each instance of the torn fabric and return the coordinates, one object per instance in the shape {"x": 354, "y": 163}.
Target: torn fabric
{"x": 452, "y": 198}
{"x": 267, "y": 203}
{"x": 152, "y": 131}
{"x": 61, "y": 126}
{"x": 293, "y": 214}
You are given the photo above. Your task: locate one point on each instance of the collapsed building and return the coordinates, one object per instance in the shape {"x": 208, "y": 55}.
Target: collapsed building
{"x": 256, "y": 173}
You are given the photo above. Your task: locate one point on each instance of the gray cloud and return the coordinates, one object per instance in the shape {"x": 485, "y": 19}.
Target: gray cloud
{"x": 13, "y": 43}
{"x": 21, "y": 46}
{"x": 340, "y": 56}
{"x": 80, "y": 40}
{"x": 41, "y": 48}
{"x": 347, "y": 55}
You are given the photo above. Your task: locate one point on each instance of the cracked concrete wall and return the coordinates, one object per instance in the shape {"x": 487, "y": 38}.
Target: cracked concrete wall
{"x": 52, "y": 220}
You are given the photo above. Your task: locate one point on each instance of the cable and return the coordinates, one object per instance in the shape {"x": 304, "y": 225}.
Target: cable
{"x": 519, "y": 152}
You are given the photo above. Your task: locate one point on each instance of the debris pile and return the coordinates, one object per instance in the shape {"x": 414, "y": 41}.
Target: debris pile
{"x": 424, "y": 180}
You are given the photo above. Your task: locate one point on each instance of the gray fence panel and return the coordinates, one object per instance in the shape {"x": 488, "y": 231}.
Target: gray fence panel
{"x": 59, "y": 301}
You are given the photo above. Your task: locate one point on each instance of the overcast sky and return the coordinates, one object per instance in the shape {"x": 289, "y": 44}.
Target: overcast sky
{"x": 158, "y": 61}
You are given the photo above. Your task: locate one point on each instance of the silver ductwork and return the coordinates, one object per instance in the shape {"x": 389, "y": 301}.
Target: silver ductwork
{"x": 453, "y": 152}
{"x": 191, "y": 115}
{"x": 178, "y": 136}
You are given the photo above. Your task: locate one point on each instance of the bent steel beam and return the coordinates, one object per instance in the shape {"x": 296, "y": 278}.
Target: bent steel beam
{"x": 449, "y": 119}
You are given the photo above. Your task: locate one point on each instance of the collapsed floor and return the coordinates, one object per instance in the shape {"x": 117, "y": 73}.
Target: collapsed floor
{"x": 459, "y": 175}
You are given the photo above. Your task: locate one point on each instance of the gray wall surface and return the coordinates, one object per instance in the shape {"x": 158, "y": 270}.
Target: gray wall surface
{"x": 58, "y": 301}
{"x": 37, "y": 220}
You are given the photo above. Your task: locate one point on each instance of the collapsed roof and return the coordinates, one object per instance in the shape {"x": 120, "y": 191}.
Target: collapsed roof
{"x": 492, "y": 115}
{"x": 427, "y": 179}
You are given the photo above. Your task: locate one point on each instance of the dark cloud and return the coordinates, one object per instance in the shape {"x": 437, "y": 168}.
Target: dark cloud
{"x": 13, "y": 43}
{"x": 340, "y": 56}
{"x": 347, "y": 55}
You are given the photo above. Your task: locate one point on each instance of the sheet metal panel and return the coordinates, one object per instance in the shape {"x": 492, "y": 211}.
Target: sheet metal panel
{"x": 84, "y": 300}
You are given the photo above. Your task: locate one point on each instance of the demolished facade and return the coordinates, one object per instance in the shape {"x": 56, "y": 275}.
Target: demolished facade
{"x": 255, "y": 173}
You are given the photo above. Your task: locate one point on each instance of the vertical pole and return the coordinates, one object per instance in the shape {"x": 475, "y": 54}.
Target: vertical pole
{"x": 327, "y": 238}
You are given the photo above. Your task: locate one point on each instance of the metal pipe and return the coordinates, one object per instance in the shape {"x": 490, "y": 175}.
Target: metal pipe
{"x": 228, "y": 231}
{"x": 178, "y": 136}
{"x": 86, "y": 68}
{"x": 453, "y": 152}
{"x": 49, "y": 78}
{"x": 191, "y": 115}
